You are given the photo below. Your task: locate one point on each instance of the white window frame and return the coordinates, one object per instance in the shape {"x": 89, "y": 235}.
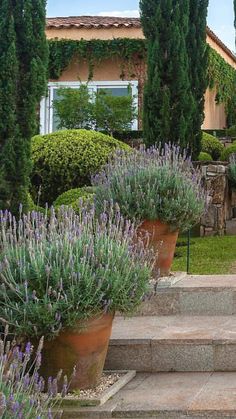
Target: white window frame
{"x": 46, "y": 104}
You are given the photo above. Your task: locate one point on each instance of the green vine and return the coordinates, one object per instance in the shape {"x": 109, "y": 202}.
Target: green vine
{"x": 93, "y": 51}
{"x": 220, "y": 74}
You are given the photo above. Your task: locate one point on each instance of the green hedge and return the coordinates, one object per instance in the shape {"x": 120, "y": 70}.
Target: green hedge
{"x": 225, "y": 155}
{"x": 211, "y": 145}
{"x": 204, "y": 157}
{"x": 67, "y": 159}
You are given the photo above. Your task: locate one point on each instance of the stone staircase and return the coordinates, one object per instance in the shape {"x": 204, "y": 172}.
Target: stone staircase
{"x": 182, "y": 343}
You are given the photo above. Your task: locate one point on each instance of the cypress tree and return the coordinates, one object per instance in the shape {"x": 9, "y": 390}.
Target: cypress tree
{"x": 198, "y": 64}
{"x": 167, "y": 97}
{"x": 8, "y": 99}
{"x": 27, "y": 84}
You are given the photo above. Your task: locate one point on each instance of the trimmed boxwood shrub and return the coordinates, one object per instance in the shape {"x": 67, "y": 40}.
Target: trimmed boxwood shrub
{"x": 211, "y": 145}
{"x": 228, "y": 151}
{"x": 204, "y": 157}
{"x": 66, "y": 159}
{"x": 232, "y": 131}
{"x": 72, "y": 196}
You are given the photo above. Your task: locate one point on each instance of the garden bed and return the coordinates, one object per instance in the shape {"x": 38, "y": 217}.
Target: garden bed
{"x": 111, "y": 382}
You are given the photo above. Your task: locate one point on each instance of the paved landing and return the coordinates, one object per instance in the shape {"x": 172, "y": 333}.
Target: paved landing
{"x": 172, "y": 395}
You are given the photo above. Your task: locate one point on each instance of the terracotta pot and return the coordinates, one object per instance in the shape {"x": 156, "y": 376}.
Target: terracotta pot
{"x": 163, "y": 240}
{"x": 85, "y": 348}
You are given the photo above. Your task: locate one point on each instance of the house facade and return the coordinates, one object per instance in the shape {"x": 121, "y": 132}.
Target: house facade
{"x": 107, "y": 72}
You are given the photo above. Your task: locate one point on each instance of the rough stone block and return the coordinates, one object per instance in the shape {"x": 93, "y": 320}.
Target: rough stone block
{"x": 208, "y": 219}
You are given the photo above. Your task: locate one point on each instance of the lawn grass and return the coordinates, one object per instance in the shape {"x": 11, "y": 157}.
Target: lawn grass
{"x": 208, "y": 255}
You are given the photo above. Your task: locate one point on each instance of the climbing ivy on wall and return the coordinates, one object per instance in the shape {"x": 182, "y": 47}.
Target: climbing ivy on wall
{"x": 220, "y": 74}
{"x": 93, "y": 51}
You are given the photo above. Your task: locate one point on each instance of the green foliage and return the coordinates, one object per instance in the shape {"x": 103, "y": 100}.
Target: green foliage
{"x": 93, "y": 51}
{"x": 204, "y": 157}
{"x": 153, "y": 185}
{"x": 114, "y": 113}
{"x": 222, "y": 77}
{"x": 32, "y": 206}
{"x": 78, "y": 108}
{"x": 232, "y": 170}
{"x": 23, "y": 394}
{"x": 74, "y": 108}
{"x": 198, "y": 55}
{"x": 69, "y": 268}
{"x": 220, "y": 73}
{"x": 66, "y": 159}
{"x": 73, "y": 196}
{"x": 231, "y": 132}
{"x": 168, "y": 100}
{"x": 228, "y": 151}
{"x": 23, "y": 80}
{"x": 212, "y": 145}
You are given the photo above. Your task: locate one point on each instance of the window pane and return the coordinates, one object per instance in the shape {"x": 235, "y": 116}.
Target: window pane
{"x": 55, "y": 118}
{"x": 115, "y": 91}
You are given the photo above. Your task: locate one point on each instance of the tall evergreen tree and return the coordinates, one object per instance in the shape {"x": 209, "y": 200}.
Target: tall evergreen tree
{"x": 168, "y": 102}
{"x": 8, "y": 99}
{"x": 24, "y": 55}
{"x": 198, "y": 64}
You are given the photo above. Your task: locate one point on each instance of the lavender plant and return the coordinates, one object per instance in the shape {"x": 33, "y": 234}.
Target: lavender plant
{"x": 153, "y": 184}
{"x": 22, "y": 390}
{"x": 232, "y": 170}
{"x": 56, "y": 272}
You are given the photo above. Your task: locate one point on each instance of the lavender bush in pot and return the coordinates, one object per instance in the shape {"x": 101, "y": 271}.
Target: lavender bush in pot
{"x": 160, "y": 189}
{"x": 23, "y": 393}
{"x": 64, "y": 278}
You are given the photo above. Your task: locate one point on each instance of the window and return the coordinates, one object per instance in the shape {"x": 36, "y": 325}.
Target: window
{"x": 48, "y": 118}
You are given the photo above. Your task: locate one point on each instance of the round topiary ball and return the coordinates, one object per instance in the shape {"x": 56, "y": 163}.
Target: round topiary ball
{"x": 212, "y": 145}
{"x": 73, "y": 196}
{"x": 67, "y": 159}
{"x": 204, "y": 157}
{"x": 228, "y": 151}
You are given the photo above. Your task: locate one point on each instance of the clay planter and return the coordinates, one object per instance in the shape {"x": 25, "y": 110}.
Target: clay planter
{"x": 163, "y": 240}
{"x": 85, "y": 348}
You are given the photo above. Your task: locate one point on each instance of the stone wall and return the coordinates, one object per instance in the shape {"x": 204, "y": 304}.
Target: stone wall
{"x": 219, "y": 199}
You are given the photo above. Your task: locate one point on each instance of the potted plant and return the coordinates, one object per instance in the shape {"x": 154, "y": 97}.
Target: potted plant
{"x": 160, "y": 189}
{"x": 23, "y": 394}
{"x": 63, "y": 278}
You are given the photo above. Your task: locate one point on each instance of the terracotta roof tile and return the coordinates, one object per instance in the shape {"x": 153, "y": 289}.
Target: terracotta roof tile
{"x": 115, "y": 22}
{"x": 92, "y": 22}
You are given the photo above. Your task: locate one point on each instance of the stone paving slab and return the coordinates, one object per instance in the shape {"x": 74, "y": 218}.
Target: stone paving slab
{"x": 207, "y": 281}
{"x": 181, "y": 328}
{"x": 170, "y": 396}
{"x": 173, "y": 343}
{"x": 194, "y": 295}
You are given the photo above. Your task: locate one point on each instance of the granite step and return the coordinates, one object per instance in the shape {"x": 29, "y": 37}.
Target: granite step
{"x": 169, "y": 396}
{"x": 212, "y": 295}
{"x": 173, "y": 343}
